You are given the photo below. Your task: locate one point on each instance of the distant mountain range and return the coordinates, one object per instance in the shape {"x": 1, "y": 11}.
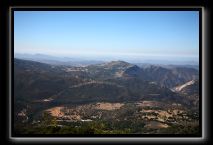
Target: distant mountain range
{"x": 74, "y": 61}
{"x": 84, "y": 61}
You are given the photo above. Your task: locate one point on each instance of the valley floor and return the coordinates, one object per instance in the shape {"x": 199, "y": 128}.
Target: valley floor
{"x": 142, "y": 117}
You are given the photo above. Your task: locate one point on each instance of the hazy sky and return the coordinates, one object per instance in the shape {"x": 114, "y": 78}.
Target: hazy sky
{"x": 168, "y": 34}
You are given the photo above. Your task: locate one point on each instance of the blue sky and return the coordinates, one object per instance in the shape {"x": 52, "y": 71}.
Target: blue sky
{"x": 152, "y": 34}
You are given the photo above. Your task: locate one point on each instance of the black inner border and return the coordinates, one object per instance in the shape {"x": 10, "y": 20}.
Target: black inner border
{"x": 106, "y": 9}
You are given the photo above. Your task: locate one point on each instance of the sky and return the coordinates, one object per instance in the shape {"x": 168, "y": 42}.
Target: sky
{"x": 169, "y": 35}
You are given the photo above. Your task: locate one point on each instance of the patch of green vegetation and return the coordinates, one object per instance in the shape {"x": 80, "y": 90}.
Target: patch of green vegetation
{"x": 49, "y": 125}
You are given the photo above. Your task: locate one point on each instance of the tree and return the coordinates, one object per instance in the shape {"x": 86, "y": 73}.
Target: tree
{"x": 48, "y": 120}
